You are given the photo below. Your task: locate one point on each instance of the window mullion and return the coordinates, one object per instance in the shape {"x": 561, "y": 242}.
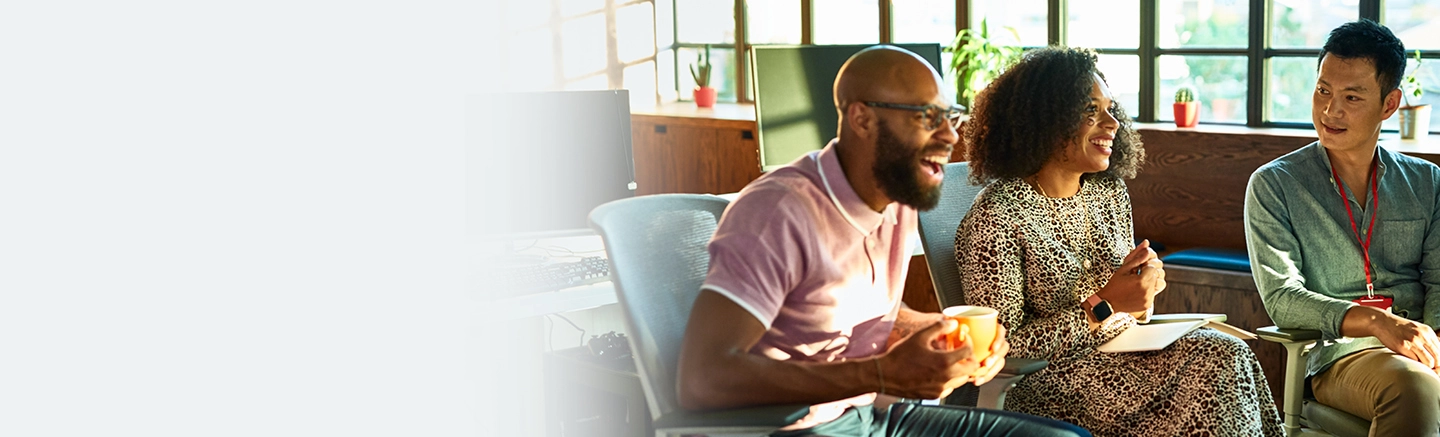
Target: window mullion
{"x": 1149, "y": 46}
{"x": 962, "y": 16}
{"x": 886, "y": 21}
{"x": 807, "y": 20}
{"x": 1371, "y": 9}
{"x": 1255, "y": 87}
{"x": 675, "y": 43}
{"x": 742, "y": 41}
{"x": 1057, "y": 21}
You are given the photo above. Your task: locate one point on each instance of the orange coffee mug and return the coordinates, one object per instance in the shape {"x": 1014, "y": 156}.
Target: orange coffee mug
{"x": 979, "y": 324}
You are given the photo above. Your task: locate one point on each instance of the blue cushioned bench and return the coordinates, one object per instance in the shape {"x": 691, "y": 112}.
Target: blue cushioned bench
{"x": 1210, "y": 258}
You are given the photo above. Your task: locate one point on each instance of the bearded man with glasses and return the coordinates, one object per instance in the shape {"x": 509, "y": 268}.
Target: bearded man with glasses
{"x": 802, "y": 300}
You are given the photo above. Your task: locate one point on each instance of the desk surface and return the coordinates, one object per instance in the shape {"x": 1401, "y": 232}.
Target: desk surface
{"x": 569, "y": 248}
{"x": 539, "y": 304}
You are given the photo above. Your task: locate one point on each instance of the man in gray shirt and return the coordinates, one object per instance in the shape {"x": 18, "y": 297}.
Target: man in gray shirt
{"x": 1344, "y": 238}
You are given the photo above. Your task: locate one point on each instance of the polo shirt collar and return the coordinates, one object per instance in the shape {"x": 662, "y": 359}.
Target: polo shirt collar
{"x": 843, "y": 196}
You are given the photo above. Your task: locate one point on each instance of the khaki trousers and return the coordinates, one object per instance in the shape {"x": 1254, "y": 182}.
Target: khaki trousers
{"x": 1400, "y": 396}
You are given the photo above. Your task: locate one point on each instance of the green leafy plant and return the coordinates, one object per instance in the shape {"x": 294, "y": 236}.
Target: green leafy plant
{"x": 700, "y": 70}
{"x": 1410, "y": 86}
{"x": 1184, "y": 95}
{"x": 978, "y": 59}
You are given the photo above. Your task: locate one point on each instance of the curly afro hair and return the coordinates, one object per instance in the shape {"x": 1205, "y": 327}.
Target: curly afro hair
{"x": 1029, "y": 114}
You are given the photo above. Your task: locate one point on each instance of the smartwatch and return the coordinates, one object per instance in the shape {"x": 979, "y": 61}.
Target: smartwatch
{"x": 1099, "y": 307}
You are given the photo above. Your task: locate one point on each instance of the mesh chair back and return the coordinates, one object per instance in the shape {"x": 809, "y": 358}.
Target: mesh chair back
{"x": 658, "y": 260}
{"x": 937, "y": 232}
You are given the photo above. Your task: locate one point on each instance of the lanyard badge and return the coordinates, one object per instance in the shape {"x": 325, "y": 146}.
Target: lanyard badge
{"x": 1381, "y": 302}
{"x": 1374, "y": 300}
{"x": 1370, "y": 299}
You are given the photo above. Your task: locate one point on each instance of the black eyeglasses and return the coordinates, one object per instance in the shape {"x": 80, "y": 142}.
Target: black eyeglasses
{"x": 933, "y": 113}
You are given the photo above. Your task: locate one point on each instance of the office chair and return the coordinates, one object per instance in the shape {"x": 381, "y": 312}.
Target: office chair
{"x": 1301, "y": 410}
{"x": 658, "y": 260}
{"x": 937, "y": 234}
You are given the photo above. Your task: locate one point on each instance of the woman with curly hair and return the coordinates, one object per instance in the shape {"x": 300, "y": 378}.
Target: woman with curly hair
{"x": 1049, "y": 243}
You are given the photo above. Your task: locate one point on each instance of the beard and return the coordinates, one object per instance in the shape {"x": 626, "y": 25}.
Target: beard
{"x": 897, "y": 169}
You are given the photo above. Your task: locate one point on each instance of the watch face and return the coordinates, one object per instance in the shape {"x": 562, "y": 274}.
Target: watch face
{"x": 1102, "y": 311}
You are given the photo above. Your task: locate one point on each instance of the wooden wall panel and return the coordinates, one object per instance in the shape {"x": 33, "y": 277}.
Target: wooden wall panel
{"x": 1191, "y": 190}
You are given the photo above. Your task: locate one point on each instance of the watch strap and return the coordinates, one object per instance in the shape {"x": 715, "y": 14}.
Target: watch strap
{"x": 1097, "y": 306}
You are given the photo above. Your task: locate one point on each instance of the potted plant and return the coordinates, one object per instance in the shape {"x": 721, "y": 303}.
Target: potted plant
{"x": 1414, "y": 118}
{"x": 978, "y": 59}
{"x": 1187, "y": 110}
{"x": 700, "y": 70}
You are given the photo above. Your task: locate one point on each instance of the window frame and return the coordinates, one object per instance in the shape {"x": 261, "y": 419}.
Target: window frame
{"x": 1258, "y": 53}
{"x": 742, "y": 46}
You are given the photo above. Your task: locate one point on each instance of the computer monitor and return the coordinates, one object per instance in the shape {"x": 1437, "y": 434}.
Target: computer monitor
{"x": 537, "y": 163}
{"x": 794, "y": 100}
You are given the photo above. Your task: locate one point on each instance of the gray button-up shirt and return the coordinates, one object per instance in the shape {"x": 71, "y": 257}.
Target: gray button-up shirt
{"x": 1305, "y": 258}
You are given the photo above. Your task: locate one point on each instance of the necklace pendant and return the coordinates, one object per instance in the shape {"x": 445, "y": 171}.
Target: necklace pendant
{"x": 1085, "y": 263}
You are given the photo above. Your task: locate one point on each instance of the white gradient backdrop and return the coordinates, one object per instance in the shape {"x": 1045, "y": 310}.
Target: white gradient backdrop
{"x": 239, "y": 218}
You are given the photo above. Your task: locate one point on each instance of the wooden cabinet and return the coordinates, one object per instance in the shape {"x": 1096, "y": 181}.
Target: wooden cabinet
{"x": 682, "y": 149}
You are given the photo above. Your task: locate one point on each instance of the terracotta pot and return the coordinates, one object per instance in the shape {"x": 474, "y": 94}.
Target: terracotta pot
{"x": 1187, "y": 114}
{"x": 705, "y": 97}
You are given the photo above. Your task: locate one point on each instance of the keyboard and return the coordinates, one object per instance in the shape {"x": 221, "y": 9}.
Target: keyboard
{"x": 539, "y": 278}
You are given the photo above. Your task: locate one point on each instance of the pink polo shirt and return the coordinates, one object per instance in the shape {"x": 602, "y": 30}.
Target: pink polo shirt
{"x": 802, "y": 253}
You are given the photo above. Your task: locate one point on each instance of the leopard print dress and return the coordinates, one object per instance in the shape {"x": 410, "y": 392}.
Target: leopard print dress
{"x": 1035, "y": 259}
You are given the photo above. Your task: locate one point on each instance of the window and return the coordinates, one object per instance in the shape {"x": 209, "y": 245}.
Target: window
{"x": 1027, "y": 17}
{"x": 784, "y": 22}
{"x": 922, "y": 21}
{"x": 1102, "y": 24}
{"x": 1417, "y": 22}
{"x": 846, "y": 21}
{"x": 1122, "y": 74}
{"x": 696, "y": 25}
{"x": 1203, "y": 46}
{"x": 1219, "y": 49}
{"x": 1305, "y": 24}
{"x": 1250, "y": 62}
{"x": 582, "y": 45}
{"x": 1290, "y": 87}
{"x": 772, "y": 21}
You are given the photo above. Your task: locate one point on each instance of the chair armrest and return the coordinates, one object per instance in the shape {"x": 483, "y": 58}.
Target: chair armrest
{"x": 1278, "y": 335}
{"x": 992, "y": 394}
{"x": 1295, "y": 342}
{"x": 762, "y": 419}
{"x": 1021, "y": 366}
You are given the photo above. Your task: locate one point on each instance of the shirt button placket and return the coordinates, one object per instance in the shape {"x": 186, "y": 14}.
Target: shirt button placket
{"x": 870, "y": 242}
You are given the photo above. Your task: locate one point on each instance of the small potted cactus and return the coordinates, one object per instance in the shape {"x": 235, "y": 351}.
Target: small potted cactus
{"x": 700, "y": 70}
{"x": 1187, "y": 111}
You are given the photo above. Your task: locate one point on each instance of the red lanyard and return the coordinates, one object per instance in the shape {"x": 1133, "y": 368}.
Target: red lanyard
{"x": 1374, "y": 216}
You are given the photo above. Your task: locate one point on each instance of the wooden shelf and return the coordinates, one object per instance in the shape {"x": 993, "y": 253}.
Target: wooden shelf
{"x": 722, "y": 116}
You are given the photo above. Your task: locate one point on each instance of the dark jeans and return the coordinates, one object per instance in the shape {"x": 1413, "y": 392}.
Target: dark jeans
{"x": 937, "y": 420}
